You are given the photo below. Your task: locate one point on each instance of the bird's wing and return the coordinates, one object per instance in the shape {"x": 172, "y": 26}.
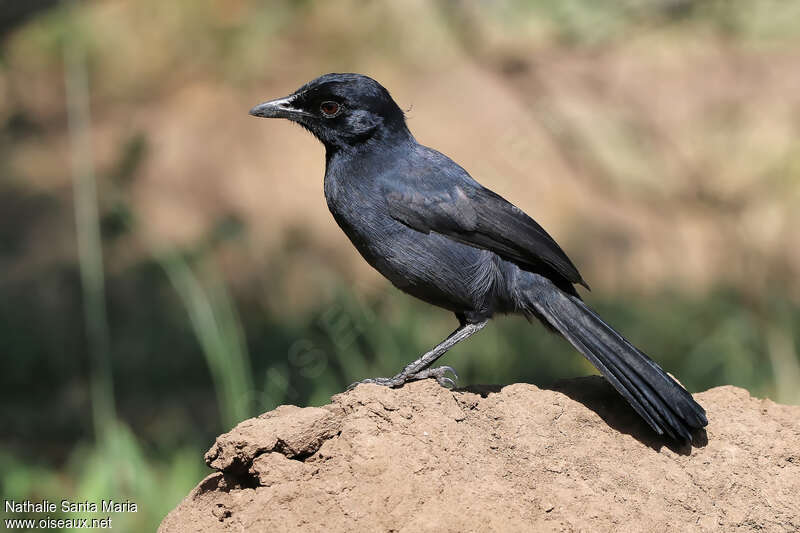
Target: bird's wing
{"x": 467, "y": 212}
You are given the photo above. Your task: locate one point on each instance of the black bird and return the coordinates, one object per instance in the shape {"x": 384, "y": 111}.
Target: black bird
{"x": 422, "y": 221}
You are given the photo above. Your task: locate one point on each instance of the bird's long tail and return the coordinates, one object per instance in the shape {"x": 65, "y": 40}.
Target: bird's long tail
{"x": 660, "y": 400}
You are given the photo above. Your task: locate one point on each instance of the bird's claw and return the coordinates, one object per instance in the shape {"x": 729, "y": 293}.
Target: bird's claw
{"x": 438, "y": 373}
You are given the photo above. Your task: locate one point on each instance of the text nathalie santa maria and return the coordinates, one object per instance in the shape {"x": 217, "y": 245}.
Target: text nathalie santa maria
{"x": 68, "y": 506}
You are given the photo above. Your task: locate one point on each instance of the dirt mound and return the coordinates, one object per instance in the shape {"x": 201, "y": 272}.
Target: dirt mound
{"x": 516, "y": 458}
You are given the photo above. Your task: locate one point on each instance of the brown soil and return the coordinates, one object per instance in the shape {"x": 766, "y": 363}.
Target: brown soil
{"x": 516, "y": 458}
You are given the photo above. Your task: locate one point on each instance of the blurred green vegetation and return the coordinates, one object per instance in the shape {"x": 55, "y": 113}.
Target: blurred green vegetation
{"x": 168, "y": 416}
{"x": 194, "y": 346}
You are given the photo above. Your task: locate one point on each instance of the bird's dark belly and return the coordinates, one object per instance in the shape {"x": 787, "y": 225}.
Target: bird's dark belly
{"x": 428, "y": 266}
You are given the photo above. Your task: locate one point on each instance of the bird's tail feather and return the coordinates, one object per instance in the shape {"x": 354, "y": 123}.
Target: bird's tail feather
{"x": 660, "y": 400}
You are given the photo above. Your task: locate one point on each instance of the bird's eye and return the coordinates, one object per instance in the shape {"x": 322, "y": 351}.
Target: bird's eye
{"x": 330, "y": 109}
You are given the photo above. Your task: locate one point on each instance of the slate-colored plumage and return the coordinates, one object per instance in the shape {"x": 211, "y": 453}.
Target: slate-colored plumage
{"x": 437, "y": 234}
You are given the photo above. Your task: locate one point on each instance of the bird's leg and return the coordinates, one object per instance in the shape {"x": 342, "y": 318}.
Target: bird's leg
{"x": 420, "y": 369}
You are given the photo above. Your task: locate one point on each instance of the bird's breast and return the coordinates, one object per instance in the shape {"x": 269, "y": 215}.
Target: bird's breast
{"x": 426, "y": 265}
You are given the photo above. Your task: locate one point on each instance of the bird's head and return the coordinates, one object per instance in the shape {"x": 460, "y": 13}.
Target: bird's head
{"x": 341, "y": 110}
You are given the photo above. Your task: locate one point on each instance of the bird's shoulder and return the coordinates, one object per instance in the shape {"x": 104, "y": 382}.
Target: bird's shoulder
{"x": 428, "y": 183}
{"x": 429, "y": 192}
{"x": 434, "y": 170}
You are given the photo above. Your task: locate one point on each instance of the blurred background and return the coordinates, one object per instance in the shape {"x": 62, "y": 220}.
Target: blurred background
{"x": 169, "y": 266}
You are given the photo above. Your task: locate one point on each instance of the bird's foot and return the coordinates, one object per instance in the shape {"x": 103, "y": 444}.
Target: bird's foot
{"x": 439, "y": 374}
{"x": 386, "y": 382}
